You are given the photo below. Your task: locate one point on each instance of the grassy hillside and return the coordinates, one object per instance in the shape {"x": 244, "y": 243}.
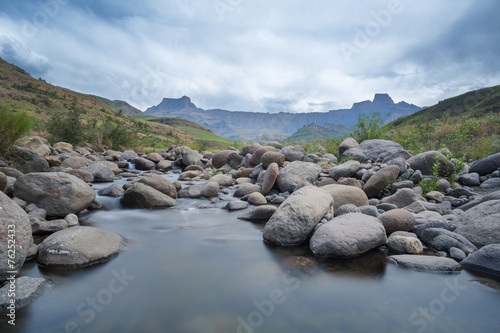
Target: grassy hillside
{"x": 468, "y": 125}
{"x": 121, "y": 106}
{"x": 43, "y": 102}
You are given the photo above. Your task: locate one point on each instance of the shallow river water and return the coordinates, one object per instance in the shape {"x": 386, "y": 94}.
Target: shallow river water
{"x": 187, "y": 269}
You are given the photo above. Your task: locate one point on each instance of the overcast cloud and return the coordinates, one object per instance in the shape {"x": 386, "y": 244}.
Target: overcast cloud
{"x": 256, "y": 55}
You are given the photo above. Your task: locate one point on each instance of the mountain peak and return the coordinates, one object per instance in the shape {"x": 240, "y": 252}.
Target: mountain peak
{"x": 172, "y": 105}
{"x": 383, "y": 99}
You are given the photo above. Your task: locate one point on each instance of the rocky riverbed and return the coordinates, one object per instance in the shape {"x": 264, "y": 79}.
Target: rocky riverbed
{"x": 316, "y": 216}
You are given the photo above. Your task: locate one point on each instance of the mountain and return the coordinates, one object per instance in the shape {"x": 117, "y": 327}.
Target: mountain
{"x": 468, "y": 125}
{"x": 244, "y": 125}
{"x": 121, "y": 106}
{"x": 313, "y": 132}
{"x": 41, "y": 101}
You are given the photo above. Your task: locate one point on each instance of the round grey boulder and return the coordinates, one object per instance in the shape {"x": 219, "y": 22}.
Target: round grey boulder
{"x": 343, "y": 195}
{"x": 259, "y": 214}
{"x": 397, "y": 220}
{"x": 297, "y": 173}
{"x": 347, "y": 169}
{"x": 101, "y": 172}
{"x": 140, "y": 195}
{"x": 484, "y": 260}
{"x": 78, "y": 247}
{"x": 380, "y": 180}
{"x": 28, "y": 161}
{"x": 425, "y": 163}
{"x": 405, "y": 245}
{"x": 161, "y": 184}
{"x": 58, "y": 193}
{"x": 221, "y": 158}
{"x": 293, "y": 153}
{"x": 480, "y": 224}
{"x": 348, "y": 235}
{"x": 272, "y": 157}
{"x": 296, "y": 218}
{"x": 486, "y": 165}
{"x": 270, "y": 178}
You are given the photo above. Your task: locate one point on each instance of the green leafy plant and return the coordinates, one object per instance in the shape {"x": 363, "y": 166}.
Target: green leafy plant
{"x": 368, "y": 127}
{"x": 428, "y": 185}
{"x": 13, "y": 126}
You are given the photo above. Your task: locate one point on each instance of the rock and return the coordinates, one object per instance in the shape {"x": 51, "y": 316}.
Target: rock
{"x": 350, "y": 182}
{"x": 397, "y": 220}
{"x": 154, "y": 157}
{"x": 355, "y": 154}
{"x": 161, "y": 184}
{"x": 128, "y": 155}
{"x": 443, "y": 240}
{"x": 10, "y": 172}
{"x": 385, "y": 149}
{"x": 259, "y": 214}
{"x": 293, "y": 153}
{"x": 3, "y": 182}
{"x": 346, "y": 209}
{"x": 58, "y": 193}
{"x": 447, "y": 225}
{"x": 140, "y": 195}
{"x": 481, "y": 199}
{"x": 347, "y": 169}
{"x": 53, "y": 161}
{"x": 435, "y": 195}
{"x": 257, "y": 199}
{"x": 114, "y": 191}
{"x": 405, "y": 245}
{"x": 404, "y": 234}
{"x": 380, "y": 180}
{"x": 348, "y": 235}
{"x": 402, "y": 184}
{"x": 297, "y": 216}
{"x": 460, "y": 191}
{"x": 402, "y": 198}
{"x": 425, "y": 162}
{"x": 82, "y": 174}
{"x": 490, "y": 183}
{"x": 347, "y": 144}
{"x": 222, "y": 180}
{"x": 189, "y": 175}
{"x": 235, "y": 205}
{"x": 27, "y": 290}
{"x": 480, "y": 224}
{"x": 143, "y": 164}
{"x": 62, "y": 145}
{"x": 346, "y": 195}
{"x": 297, "y": 173}
{"x": 221, "y": 158}
{"x": 101, "y": 172}
{"x": 246, "y": 189}
{"x": 369, "y": 210}
{"x": 400, "y": 162}
{"x": 425, "y": 263}
{"x": 484, "y": 260}
{"x": 469, "y": 179}
{"x": 164, "y": 165}
{"x": 275, "y": 144}
{"x": 270, "y": 178}
{"x": 27, "y": 161}
{"x": 273, "y": 157}
{"x": 72, "y": 220}
{"x": 210, "y": 189}
{"x": 190, "y": 156}
{"x": 13, "y": 217}
{"x": 257, "y": 155}
{"x": 486, "y": 165}
{"x": 457, "y": 254}
{"x": 416, "y": 177}
{"x": 311, "y": 158}
{"x": 78, "y": 247}
{"x": 36, "y": 144}
{"x": 234, "y": 160}
{"x": 48, "y": 227}
{"x": 250, "y": 149}
{"x": 76, "y": 162}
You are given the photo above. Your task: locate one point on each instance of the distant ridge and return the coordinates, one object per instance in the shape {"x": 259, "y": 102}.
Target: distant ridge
{"x": 121, "y": 106}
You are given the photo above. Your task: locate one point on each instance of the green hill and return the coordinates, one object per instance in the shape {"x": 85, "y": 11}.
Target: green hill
{"x": 468, "y": 125}
{"x": 121, "y": 106}
{"x": 313, "y": 133}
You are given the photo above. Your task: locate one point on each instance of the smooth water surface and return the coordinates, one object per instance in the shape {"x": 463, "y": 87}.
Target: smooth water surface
{"x": 188, "y": 269}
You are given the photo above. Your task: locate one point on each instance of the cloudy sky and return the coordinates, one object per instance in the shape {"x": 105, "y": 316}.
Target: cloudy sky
{"x": 257, "y": 55}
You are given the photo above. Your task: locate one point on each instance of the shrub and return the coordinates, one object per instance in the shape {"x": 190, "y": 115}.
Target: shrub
{"x": 368, "y": 128}
{"x": 13, "y": 126}
{"x": 68, "y": 127}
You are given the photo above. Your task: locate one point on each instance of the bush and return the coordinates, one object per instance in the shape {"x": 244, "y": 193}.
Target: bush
{"x": 68, "y": 127}
{"x": 13, "y": 126}
{"x": 368, "y": 128}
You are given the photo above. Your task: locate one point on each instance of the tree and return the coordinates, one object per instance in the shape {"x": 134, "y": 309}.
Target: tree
{"x": 368, "y": 128}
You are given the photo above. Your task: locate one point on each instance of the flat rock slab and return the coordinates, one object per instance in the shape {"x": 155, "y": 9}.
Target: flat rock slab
{"x": 425, "y": 263}
{"x": 78, "y": 247}
{"x": 486, "y": 259}
{"x": 27, "y": 290}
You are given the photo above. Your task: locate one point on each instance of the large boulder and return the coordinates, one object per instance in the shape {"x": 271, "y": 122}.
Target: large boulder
{"x": 272, "y": 157}
{"x": 234, "y": 160}
{"x": 189, "y": 156}
{"x": 76, "y": 162}
{"x": 258, "y": 214}
{"x": 403, "y": 197}
{"x": 347, "y": 169}
{"x": 405, "y": 245}
{"x": 26, "y": 291}
{"x": 293, "y": 153}
{"x": 15, "y": 229}
{"x": 480, "y": 224}
{"x": 165, "y": 165}
{"x": 425, "y": 263}
{"x": 343, "y": 195}
{"x": 246, "y": 189}
{"x": 78, "y": 247}
{"x": 297, "y": 173}
{"x": 57, "y": 192}
{"x": 140, "y": 195}
{"x": 348, "y": 235}
{"x": 36, "y": 144}
{"x": 297, "y": 216}
{"x": 486, "y": 165}
{"x": 208, "y": 190}
{"x": 425, "y": 163}
{"x": 443, "y": 240}
{"x": 270, "y": 178}
{"x": 347, "y": 144}
{"x": 223, "y": 180}
{"x": 257, "y": 155}
{"x": 221, "y": 158}
{"x": 28, "y": 161}
{"x": 161, "y": 184}
{"x": 484, "y": 260}
{"x": 82, "y": 174}
{"x": 385, "y": 149}
{"x": 397, "y": 220}
{"x": 380, "y": 180}
{"x": 101, "y": 172}
{"x": 143, "y": 164}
